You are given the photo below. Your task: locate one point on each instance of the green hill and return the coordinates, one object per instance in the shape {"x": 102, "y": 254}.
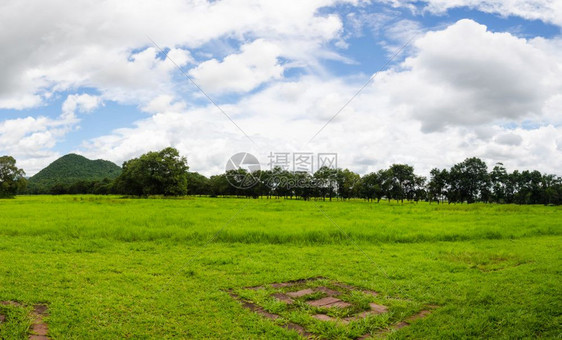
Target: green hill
{"x": 74, "y": 168}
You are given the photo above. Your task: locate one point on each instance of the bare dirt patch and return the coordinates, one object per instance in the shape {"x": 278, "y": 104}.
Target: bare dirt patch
{"x": 39, "y": 329}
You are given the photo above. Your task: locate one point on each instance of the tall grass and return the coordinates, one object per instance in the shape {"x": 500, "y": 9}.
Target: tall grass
{"x": 202, "y": 220}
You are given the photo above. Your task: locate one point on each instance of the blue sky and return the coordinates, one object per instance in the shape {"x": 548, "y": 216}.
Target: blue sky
{"x": 473, "y": 81}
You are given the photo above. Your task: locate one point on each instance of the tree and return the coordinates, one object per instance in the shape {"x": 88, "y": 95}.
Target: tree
{"x": 499, "y": 181}
{"x": 197, "y": 184}
{"x": 154, "y": 173}
{"x": 369, "y": 187}
{"x": 325, "y": 179}
{"x": 348, "y": 183}
{"x": 437, "y": 186}
{"x": 304, "y": 185}
{"x": 469, "y": 181}
{"x": 219, "y": 185}
{"x": 550, "y": 190}
{"x": 403, "y": 179}
{"x": 12, "y": 178}
{"x": 418, "y": 192}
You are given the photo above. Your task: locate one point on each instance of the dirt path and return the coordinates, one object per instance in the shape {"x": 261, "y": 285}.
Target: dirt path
{"x": 39, "y": 328}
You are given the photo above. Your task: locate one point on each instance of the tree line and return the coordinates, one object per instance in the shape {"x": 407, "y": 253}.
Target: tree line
{"x": 166, "y": 173}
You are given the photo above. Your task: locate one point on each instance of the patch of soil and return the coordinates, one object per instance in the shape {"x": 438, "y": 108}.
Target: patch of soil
{"x": 39, "y": 328}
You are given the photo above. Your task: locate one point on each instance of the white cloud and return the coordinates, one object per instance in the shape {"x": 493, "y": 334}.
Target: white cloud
{"x": 31, "y": 139}
{"x": 104, "y": 45}
{"x": 509, "y": 139}
{"x": 255, "y": 64}
{"x": 465, "y": 75}
{"x": 164, "y": 103}
{"x": 81, "y": 103}
{"x": 448, "y": 101}
{"x": 549, "y": 11}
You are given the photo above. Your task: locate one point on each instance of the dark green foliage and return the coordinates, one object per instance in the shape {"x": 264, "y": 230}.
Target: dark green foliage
{"x": 165, "y": 173}
{"x": 348, "y": 183}
{"x": 11, "y": 178}
{"x": 326, "y": 179}
{"x": 72, "y": 171}
{"x": 437, "y": 186}
{"x": 154, "y": 173}
{"x": 469, "y": 181}
{"x": 197, "y": 184}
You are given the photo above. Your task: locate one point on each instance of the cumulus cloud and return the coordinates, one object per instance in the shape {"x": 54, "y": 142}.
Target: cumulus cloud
{"x": 164, "y": 103}
{"x": 509, "y": 139}
{"x": 447, "y": 101}
{"x": 104, "y": 45}
{"x": 546, "y": 10}
{"x": 81, "y": 103}
{"x": 366, "y": 137}
{"x": 465, "y": 75}
{"x": 451, "y": 98}
{"x": 31, "y": 139}
{"x": 255, "y": 64}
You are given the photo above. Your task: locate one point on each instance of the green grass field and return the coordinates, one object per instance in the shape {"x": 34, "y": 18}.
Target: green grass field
{"x": 112, "y": 268}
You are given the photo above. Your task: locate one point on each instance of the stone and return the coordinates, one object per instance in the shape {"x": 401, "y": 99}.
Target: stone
{"x": 378, "y": 309}
{"x": 340, "y": 304}
{"x": 329, "y": 302}
{"x": 40, "y": 329}
{"x": 283, "y": 298}
{"x": 323, "y": 317}
{"x": 370, "y": 292}
{"x": 300, "y": 293}
{"x": 328, "y": 291}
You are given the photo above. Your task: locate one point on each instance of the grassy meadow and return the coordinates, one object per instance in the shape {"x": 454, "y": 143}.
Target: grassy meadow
{"x": 115, "y": 268}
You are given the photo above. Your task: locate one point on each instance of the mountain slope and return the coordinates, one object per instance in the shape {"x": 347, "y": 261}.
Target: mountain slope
{"x": 73, "y": 168}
